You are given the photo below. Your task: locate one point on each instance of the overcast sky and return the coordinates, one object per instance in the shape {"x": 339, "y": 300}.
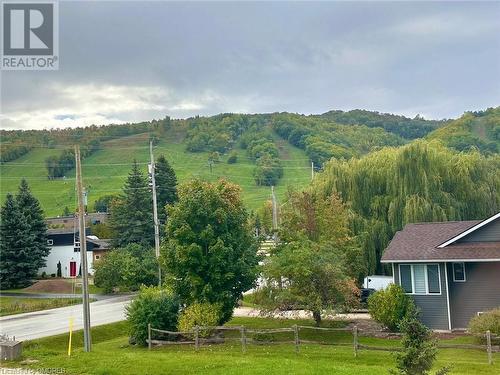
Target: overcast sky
{"x": 133, "y": 61}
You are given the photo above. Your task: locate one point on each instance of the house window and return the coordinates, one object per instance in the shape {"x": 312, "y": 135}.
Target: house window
{"x": 50, "y": 242}
{"x": 458, "y": 272}
{"x": 420, "y": 278}
{"x": 97, "y": 256}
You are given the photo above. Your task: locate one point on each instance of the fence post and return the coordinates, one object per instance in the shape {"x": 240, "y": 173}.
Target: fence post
{"x": 243, "y": 339}
{"x": 149, "y": 336}
{"x": 296, "y": 337}
{"x": 355, "y": 338}
{"x": 197, "y": 337}
{"x": 488, "y": 346}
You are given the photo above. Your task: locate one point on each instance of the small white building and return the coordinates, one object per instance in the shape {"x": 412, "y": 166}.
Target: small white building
{"x": 64, "y": 248}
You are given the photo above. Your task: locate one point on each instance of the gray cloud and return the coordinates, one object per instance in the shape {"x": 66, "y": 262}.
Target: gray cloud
{"x": 131, "y": 61}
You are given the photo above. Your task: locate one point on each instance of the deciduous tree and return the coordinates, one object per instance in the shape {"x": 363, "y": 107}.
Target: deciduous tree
{"x": 210, "y": 254}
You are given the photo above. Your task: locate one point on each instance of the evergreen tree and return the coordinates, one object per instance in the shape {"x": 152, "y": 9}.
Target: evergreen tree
{"x": 17, "y": 263}
{"x": 166, "y": 186}
{"x": 132, "y": 213}
{"x": 30, "y": 208}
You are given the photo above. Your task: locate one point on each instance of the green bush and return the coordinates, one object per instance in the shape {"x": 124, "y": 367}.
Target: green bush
{"x": 154, "y": 306}
{"x": 233, "y": 158}
{"x": 200, "y": 314}
{"x": 419, "y": 348}
{"x": 390, "y": 306}
{"x": 126, "y": 269}
{"x": 489, "y": 320}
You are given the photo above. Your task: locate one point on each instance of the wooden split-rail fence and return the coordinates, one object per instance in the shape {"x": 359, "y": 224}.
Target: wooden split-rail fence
{"x": 195, "y": 337}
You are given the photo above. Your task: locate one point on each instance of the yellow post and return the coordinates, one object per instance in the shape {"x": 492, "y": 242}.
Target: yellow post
{"x": 70, "y": 335}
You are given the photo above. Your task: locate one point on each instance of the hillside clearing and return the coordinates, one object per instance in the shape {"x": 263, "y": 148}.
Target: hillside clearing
{"x": 105, "y": 171}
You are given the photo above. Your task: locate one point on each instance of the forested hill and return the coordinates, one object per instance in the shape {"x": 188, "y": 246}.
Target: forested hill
{"x": 254, "y": 151}
{"x": 474, "y": 129}
{"x": 405, "y": 127}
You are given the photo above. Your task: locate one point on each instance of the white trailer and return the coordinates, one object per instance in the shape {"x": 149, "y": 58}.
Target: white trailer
{"x": 377, "y": 282}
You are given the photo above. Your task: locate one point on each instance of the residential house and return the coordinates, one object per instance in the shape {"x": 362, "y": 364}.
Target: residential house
{"x": 451, "y": 269}
{"x": 65, "y": 248}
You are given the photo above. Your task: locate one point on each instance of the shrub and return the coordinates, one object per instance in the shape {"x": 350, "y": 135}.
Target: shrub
{"x": 489, "y": 320}
{"x": 126, "y": 269}
{"x": 233, "y": 158}
{"x": 200, "y": 314}
{"x": 419, "y": 348}
{"x": 154, "y": 306}
{"x": 390, "y": 306}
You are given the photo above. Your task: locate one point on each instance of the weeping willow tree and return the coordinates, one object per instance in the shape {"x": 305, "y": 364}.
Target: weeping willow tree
{"x": 419, "y": 182}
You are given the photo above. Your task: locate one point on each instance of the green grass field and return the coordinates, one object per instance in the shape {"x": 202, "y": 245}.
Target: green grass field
{"x": 18, "y": 305}
{"x": 112, "y": 354}
{"x": 105, "y": 171}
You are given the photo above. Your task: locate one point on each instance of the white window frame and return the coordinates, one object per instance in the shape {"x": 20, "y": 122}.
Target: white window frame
{"x": 426, "y": 279}
{"x": 453, "y": 272}
{"x": 50, "y": 242}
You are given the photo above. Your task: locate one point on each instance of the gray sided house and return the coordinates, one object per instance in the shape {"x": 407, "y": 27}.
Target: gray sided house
{"x": 451, "y": 269}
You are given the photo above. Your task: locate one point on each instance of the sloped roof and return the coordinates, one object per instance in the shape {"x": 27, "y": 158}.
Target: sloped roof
{"x": 419, "y": 242}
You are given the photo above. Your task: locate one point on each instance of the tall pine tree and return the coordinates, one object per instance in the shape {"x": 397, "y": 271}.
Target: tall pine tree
{"x": 132, "y": 213}
{"x": 30, "y": 208}
{"x": 17, "y": 263}
{"x": 166, "y": 186}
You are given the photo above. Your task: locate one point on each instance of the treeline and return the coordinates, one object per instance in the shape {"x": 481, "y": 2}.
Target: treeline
{"x": 10, "y": 152}
{"x": 261, "y": 148}
{"x": 405, "y": 127}
{"x": 219, "y": 133}
{"x": 322, "y": 139}
{"x": 418, "y": 182}
{"x": 479, "y": 130}
{"x": 57, "y": 166}
{"x": 55, "y": 138}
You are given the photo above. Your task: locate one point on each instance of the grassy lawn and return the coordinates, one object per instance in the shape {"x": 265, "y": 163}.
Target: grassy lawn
{"x": 17, "y": 305}
{"x": 112, "y": 354}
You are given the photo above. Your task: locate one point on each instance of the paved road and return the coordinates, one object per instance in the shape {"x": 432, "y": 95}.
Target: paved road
{"x": 55, "y": 321}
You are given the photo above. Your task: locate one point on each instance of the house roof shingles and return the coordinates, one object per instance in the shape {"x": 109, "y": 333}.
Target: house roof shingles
{"x": 419, "y": 242}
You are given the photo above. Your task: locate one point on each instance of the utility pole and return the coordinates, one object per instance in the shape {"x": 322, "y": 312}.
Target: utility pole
{"x": 155, "y": 210}
{"x": 275, "y": 215}
{"x": 312, "y": 170}
{"x": 87, "y": 340}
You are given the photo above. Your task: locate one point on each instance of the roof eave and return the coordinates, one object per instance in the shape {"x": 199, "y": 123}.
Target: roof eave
{"x": 438, "y": 260}
{"x": 470, "y": 230}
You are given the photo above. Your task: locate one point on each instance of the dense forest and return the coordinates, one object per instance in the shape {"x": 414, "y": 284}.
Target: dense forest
{"x": 480, "y": 130}
{"x": 419, "y": 182}
{"x": 403, "y": 126}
